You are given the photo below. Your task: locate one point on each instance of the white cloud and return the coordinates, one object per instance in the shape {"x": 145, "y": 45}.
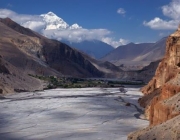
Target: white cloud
{"x": 158, "y": 23}
{"x": 6, "y": 13}
{"x": 76, "y": 35}
{"x": 36, "y": 23}
{"x": 172, "y": 10}
{"x": 20, "y": 18}
{"x": 115, "y": 43}
{"x": 121, "y": 11}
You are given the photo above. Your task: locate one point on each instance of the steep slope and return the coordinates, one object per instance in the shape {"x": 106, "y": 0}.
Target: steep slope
{"x": 109, "y": 69}
{"x": 16, "y": 62}
{"x": 12, "y": 79}
{"x": 48, "y": 52}
{"x": 147, "y": 72}
{"x": 127, "y": 52}
{"x": 137, "y": 55}
{"x": 93, "y": 48}
{"x": 161, "y": 100}
{"x": 68, "y": 61}
{"x": 21, "y": 50}
{"x": 153, "y": 53}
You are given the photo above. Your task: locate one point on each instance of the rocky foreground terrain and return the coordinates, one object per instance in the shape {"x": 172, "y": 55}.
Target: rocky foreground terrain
{"x": 162, "y": 96}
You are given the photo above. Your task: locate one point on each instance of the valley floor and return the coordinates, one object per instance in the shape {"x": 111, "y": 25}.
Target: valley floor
{"x": 71, "y": 114}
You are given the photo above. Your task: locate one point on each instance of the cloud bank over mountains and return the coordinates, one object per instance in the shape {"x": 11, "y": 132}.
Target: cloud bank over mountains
{"x": 171, "y": 11}
{"x": 52, "y": 26}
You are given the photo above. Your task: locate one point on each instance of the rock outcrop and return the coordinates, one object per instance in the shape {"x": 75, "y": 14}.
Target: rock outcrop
{"x": 168, "y": 130}
{"x": 162, "y": 94}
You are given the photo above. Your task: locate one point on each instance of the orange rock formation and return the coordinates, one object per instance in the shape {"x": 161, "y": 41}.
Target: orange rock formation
{"x": 162, "y": 94}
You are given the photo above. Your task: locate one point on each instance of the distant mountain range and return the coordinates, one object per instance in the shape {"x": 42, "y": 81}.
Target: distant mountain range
{"x": 94, "y": 48}
{"x": 54, "y": 27}
{"x": 137, "y": 54}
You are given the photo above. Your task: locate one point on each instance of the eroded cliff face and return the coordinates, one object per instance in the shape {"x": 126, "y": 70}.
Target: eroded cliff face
{"x": 170, "y": 65}
{"x": 162, "y": 94}
{"x": 166, "y": 83}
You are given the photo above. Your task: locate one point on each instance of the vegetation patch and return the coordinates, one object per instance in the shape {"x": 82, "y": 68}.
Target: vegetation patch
{"x": 73, "y": 82}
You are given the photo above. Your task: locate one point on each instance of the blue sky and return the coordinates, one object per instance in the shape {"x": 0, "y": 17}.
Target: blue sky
{"x": 128, "y": 20}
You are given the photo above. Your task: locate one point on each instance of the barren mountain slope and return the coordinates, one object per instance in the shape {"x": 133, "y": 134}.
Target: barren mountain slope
{"x": 109, "y": 69}
{"x": 154, "y": 52}
{"x": 127, "y": 52}
{"x": 13, "y": 79}
{"x": 21, "y": 51}
{"x": 133, "y": 55}
{"x": 147, "y": 72}
{"x": 48, "y": 52}
{"x": 16, "y": 62}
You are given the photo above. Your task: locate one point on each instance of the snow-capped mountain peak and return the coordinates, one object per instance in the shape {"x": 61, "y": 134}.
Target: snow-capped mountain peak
{"x": 51, "y": 14}
{"x": 75, "y": 26}
{"x": 54, "y": 27}
{"x": 53, "y": 21}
